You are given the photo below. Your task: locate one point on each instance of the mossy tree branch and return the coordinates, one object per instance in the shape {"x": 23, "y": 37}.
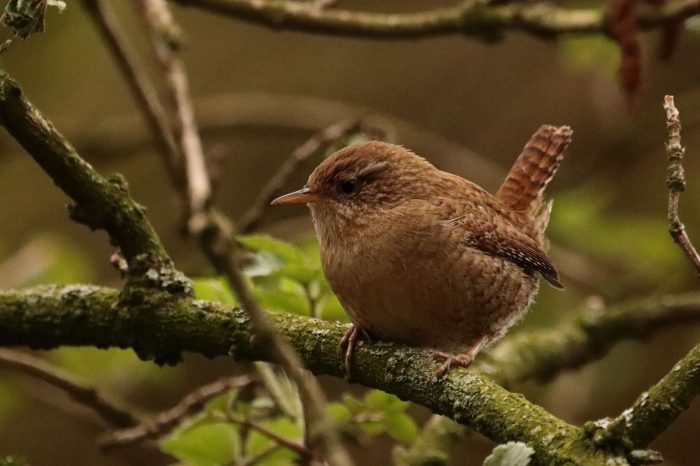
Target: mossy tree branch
{"x": 543, "y": 353}
{"x": 469, "y": 17}
{"x": 161, "y": 328}
{"x": 657, "y": 408}
{"x": 100, "y": 203}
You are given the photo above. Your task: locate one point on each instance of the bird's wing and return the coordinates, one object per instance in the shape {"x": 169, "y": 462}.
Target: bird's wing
{"x": 516, "y": 248}
{"x": 492, "y": 232}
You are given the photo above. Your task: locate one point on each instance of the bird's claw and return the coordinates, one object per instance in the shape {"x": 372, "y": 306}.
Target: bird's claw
{"x": 347, "y": 345}
{"x": 461, "y": 360}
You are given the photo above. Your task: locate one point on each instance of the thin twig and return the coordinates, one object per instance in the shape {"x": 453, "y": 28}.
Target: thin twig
{"x": 274, "y": 436}
{"x": 252, "y": 216}
{"x": 260, "y": 456}
{"x": 215, "y": 232}
{"x": 476, "y": 18}
{"x": 675, "y": 182}
{"x": 165, "y": 422}
{"x": 166, "y": 44}
{"x": 110, "y": 412}
{"x": 139, "y": 83}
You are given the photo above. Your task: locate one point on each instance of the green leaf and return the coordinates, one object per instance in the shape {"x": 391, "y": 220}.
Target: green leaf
{"x": 338, "y": 413}
{"x": 329, "y": 308}
{"x": 221, "y": 403}
{"x": 282, "y": 389}
{"x": 288, "y": 297}
{"x": 353, "y": 403}
{"x": 264, "y": 264}
{"x": 112, "y": 368}
{"x": 372, "y": 427}
{"x": 510, "y": 454}
{"x": 214, "y": 289}
{"x": 300, "y": 271}
{"x": 282, "y": 426}
{"x": 295, "y": 264}
{"x": 285, "y": 251}
{"x": 378, "y": 399}
{"x": 212, "y": 444}
{"x": 401, "y": 427}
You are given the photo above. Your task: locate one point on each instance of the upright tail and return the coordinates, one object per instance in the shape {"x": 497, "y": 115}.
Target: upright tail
{"x": 524, "y": 186}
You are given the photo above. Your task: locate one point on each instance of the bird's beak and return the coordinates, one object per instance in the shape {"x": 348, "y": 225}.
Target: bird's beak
{"x": 301, "y": 196}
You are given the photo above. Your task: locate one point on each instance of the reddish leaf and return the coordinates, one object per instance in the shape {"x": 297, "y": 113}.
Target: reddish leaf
{"x": 624, "y": 28}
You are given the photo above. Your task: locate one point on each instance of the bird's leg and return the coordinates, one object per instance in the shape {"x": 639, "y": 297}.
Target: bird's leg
{"x": 461, "y": 360}
{"x": 347, "y": 344}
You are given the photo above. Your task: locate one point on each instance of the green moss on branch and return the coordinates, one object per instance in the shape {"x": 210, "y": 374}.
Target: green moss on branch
{"x": 159, "y": 327}
{"x": 659, "y": 407}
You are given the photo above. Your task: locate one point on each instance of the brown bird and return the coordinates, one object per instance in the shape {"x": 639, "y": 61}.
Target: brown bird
{"x": 420, "y": 256}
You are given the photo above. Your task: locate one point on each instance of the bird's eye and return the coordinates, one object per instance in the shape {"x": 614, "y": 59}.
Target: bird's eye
{"x": 348, "y": 187}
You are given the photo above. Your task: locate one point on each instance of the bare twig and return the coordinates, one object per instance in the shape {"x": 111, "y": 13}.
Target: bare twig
{"x": 254, "y": 213}
{"x": 165, "y": 39}
{"x": 476, "y": 18}
{"x": 274, "y": 436}
{"x": 215, "y": 232}
{"x": 6, "y": 44}
{"x": 139, "y": 83}
{"x": 166, "y": 421}
{"x": 110, "y": 412}
{"x": 261, "y": 456}
{"x": 675, "y": 182}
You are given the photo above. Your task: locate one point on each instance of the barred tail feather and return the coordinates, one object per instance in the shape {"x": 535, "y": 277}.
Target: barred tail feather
{"x": 538, "y": 162}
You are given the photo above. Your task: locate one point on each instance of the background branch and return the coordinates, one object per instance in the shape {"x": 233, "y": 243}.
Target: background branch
{"x": 470, "y": 17}
{"x": 86, "y": 395}
{"x": 252, "y": 216}
{"x": 140, "y": 85}
{"x": 165, "y": 422}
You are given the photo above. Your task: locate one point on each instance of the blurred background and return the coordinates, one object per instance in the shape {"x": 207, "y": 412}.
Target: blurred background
{"x": 465, "y": 105}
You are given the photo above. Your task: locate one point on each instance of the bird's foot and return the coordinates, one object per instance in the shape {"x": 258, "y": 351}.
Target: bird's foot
{"x": 462, "y": 360}
{"x": 347, "y": 344}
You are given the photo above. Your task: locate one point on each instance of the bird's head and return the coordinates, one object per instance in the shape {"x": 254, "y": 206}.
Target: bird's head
{"x": 362, "y": 181}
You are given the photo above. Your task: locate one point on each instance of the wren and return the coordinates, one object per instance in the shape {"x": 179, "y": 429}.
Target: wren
{"x": 424, "y": 257}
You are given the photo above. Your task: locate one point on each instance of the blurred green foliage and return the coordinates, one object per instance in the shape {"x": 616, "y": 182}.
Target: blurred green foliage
{"x": 584, "y": 54}
{"x": 46, "y": 258}
{"x": 13, "y": 461}
{"x": 375, "y": 413}
{"x": 640, "y": 245}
